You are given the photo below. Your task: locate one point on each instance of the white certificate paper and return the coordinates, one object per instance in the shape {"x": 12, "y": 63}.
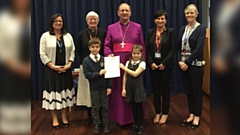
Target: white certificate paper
{"x": 111, "y": 65}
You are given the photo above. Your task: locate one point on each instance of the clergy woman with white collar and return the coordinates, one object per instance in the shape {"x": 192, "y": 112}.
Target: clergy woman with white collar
{"x": 83, "y": 93}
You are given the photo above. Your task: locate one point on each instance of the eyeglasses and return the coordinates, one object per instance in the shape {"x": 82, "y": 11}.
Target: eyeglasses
{"x": 58, "y": 21}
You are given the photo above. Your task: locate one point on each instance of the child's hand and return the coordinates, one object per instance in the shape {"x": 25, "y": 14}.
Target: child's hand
{"x": 124, "y": 93}
{"x": 121, "y": 66}
{"x": 109, "y": 91}
{"x": 103, "y": 71}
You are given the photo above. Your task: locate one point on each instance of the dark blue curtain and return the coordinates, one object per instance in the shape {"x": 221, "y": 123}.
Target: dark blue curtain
{"x": 74, "y": 12}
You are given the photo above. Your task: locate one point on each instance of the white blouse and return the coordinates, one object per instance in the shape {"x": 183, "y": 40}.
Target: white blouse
{"x": 142, "y": 64}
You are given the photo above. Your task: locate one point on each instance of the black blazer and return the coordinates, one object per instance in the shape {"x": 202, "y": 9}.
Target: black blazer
{"x": 196, "y": 42}
{"x": 167, "y": 47}
{"x": 82, "y": 42}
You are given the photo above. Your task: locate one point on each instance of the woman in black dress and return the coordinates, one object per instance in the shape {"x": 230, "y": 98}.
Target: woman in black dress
{"x": 57, "y": 54}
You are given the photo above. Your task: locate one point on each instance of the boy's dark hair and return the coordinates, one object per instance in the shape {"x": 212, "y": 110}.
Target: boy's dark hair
{"x": 51, "y": 21}
{"x": 94, "y": 41}
{"x": 137, "y": 46}
{"x": 160, "y": 13}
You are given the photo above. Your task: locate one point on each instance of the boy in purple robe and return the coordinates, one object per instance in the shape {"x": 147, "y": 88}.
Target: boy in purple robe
{"x": 121, "y": 36}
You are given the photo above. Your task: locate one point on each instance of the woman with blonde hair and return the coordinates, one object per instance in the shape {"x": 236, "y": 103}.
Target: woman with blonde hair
{"x": 190, "y": 47}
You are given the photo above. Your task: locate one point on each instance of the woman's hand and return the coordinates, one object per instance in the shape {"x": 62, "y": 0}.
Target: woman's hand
{"x": 161, "y": 67}
{"x": 59, "y": 69}
{"x": 154, "y": 66}
{"x": 66, "y": 67}
{"x": 183, "y": 66}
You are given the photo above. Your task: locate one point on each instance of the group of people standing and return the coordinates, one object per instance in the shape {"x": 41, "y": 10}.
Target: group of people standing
{"x": 126, "y": 93}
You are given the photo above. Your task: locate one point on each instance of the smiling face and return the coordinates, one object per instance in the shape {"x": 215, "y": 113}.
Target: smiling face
{"x": 136, "y": 54}
{"x": 58, "y": 23}
{"x": 92, "y": 22}
{"x": 160, "y": 21}
{"x": 94, "y": 48}
{"x": 191, "y": 14}
{"x": 124, "y": 12}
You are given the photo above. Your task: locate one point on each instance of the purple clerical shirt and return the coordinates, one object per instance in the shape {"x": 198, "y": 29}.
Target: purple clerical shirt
{"x": 133, "y": 35}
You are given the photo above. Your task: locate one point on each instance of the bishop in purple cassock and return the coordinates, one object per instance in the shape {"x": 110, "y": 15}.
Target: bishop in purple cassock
{"x": 119, "y": 41}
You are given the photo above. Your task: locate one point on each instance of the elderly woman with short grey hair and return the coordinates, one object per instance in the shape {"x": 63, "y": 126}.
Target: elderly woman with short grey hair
{"x": 83, "y": 93}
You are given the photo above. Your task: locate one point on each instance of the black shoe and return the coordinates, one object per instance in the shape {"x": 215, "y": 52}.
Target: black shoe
{"x": 96, "y": 129}
{"x": 88, "y": 121}
{"x": 193, "y": 126}
{"x": 185, "y": 122}
{"x": 65, "y": 124}
{"x": 139, "y": 130}
{"x": 133, "y": 129}
{"x": 56, "y": 127}
{"x": 106, "y": 129}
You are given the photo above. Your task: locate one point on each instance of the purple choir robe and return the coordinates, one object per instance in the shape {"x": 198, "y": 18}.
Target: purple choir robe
{"x": 119, "y": 110}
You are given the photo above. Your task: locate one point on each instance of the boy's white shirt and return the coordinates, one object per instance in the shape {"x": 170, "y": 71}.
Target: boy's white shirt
{"x": 93, "y": 57}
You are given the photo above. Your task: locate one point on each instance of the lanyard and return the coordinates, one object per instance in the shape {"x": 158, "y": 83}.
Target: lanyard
{"x": 59, "y": 44}
{"x": 188, "y": 33}
{"x": 90, "y": 35}
{"x": 158, "y": 40}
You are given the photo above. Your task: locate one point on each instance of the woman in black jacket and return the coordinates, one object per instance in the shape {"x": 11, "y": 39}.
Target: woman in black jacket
{"x": 160, "y": 46}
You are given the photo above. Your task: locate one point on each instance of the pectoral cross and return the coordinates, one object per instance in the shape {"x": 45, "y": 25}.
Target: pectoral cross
{"x": 122, "y": 44}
